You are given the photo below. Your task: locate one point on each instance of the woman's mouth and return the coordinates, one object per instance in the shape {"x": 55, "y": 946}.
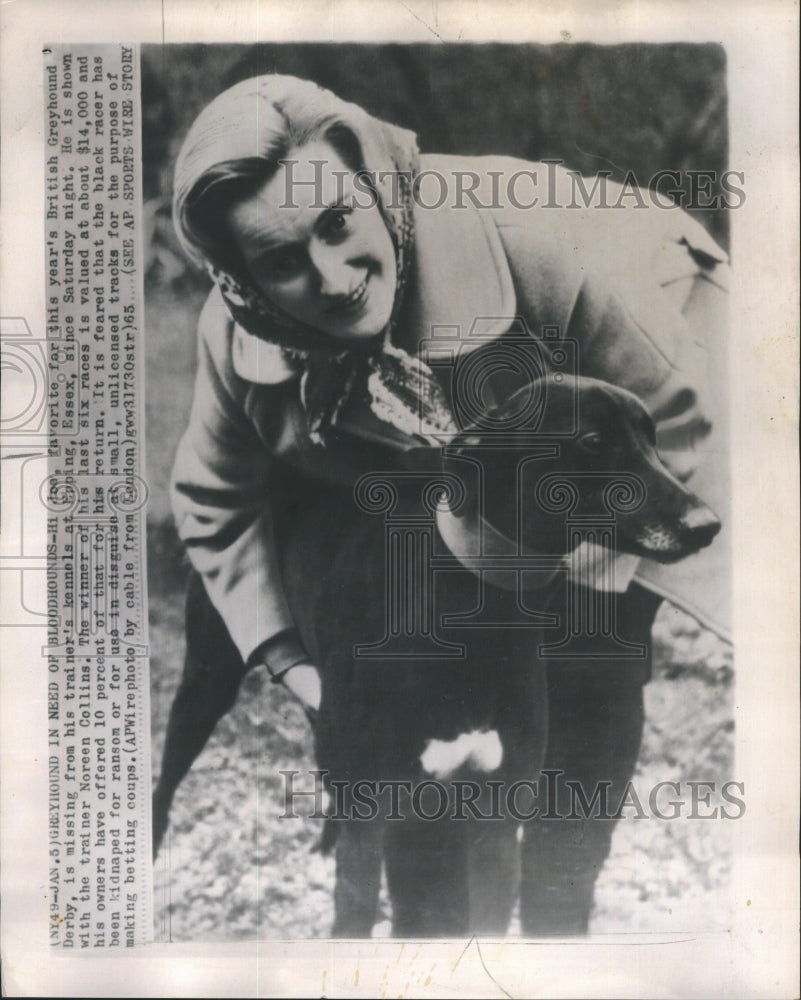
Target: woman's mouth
{"x": 353, "y": 301}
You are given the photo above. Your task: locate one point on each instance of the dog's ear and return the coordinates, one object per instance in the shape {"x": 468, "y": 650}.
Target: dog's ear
{"x": 522, "y": 410}
{"x": 559, "y": 412}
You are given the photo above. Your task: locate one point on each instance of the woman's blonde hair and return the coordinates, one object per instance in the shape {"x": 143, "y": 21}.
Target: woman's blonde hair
{"x": 237, "y": 142}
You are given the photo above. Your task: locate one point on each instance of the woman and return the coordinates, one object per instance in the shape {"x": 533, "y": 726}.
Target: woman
{"x": 336, "y": 250}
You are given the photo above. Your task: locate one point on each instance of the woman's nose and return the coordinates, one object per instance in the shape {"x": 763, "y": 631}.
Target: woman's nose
{"x": 333, "y": 271}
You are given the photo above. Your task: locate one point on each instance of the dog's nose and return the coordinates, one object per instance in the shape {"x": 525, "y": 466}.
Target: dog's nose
{"x": 701, "y": 524}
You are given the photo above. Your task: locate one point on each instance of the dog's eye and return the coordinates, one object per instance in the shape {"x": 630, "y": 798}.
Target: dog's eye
{"x": 592, "y": 442}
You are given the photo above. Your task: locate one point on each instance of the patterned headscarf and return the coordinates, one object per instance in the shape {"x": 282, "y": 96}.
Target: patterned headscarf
{"x": 239, "y": 129}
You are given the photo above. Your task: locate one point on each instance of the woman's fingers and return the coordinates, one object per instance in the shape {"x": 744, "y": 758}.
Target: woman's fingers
{"x": 303, "y": 680}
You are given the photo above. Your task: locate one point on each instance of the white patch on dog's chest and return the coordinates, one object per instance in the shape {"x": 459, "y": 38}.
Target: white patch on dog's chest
{"x": 480, "y": 751}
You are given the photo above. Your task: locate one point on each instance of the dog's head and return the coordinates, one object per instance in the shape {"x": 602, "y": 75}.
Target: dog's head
{"x": 587, "y": 452}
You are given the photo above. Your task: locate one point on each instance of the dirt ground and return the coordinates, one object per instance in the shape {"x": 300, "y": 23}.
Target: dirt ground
{"x": 231, "y": 869}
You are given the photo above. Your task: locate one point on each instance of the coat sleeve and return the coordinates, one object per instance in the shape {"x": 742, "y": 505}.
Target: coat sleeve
{"x": 628, "y": 332}
{"x": 219, "y": 491}
{"x": 617, "y": 347}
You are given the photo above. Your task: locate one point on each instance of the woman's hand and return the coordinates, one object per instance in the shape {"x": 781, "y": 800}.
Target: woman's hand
{"x": 303, "y": 680}
{"x": 287, "y": 663}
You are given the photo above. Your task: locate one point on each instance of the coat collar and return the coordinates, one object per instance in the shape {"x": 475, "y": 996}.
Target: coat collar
{"x": 460, "y": 279}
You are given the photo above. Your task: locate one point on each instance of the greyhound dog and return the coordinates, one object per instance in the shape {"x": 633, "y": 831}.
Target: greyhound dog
{"x": 431, "y": 744}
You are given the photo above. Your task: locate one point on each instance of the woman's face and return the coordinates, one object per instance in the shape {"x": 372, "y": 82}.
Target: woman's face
{"x": 314, "y": 247}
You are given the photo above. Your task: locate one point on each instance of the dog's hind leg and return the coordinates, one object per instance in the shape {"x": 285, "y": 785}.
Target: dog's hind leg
{"x": 427, "y": 877}
{"x": 596, "y": 722}
{"x": 213, "y": 672}
{"x": 493, "y": 875}
{"x": 596, "y": 750}
{"x": 359, "y": 854}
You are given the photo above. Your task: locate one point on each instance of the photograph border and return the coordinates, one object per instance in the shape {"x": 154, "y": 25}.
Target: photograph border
{"x": 759, "y": 956}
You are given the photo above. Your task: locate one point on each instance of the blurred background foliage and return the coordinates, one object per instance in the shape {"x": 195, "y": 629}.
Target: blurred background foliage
{"x": 640, "y": 108}
{"x": 627, "y": 107}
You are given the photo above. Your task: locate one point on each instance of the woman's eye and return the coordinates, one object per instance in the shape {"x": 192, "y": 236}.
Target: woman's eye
{"x": 336, "y": 222}
{"x": 285, "y": 263}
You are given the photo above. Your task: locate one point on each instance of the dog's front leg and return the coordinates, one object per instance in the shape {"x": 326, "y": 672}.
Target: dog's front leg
{"x": 359, "y": 856}
{"x": 493, "y": 875}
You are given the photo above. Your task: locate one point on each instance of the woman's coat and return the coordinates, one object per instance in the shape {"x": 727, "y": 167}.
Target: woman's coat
{"x": 638, "y": 287}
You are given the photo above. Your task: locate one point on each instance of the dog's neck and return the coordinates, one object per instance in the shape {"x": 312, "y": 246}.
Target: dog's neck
{"x": 471, "y": 536}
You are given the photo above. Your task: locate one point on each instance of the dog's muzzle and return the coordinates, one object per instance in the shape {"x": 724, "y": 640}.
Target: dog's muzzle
{"x": 700, "y": 525}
